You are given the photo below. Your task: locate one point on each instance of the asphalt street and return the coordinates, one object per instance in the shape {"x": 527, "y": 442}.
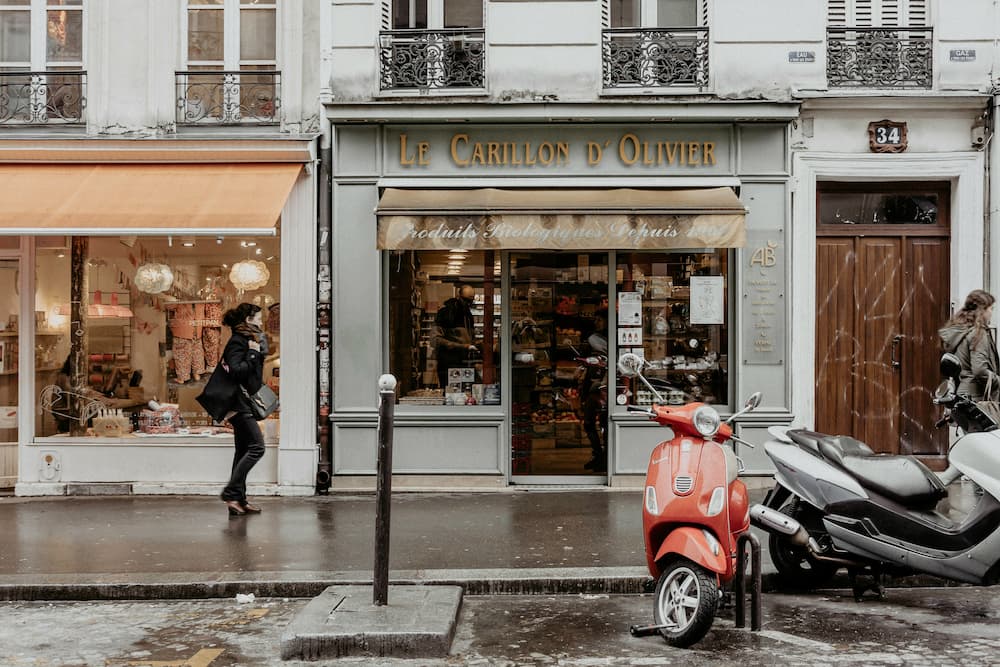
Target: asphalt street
{"x": 929, "y": 626}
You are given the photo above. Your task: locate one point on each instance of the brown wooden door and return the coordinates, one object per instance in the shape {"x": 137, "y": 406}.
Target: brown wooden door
{"x": 880, "y": 299}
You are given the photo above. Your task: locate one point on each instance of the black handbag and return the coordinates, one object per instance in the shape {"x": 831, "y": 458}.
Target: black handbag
{"x": 262, "y": 402}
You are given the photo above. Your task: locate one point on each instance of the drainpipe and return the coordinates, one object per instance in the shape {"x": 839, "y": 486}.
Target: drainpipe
{"x": 992, "y": 162}
{"x": 324, "y": 471}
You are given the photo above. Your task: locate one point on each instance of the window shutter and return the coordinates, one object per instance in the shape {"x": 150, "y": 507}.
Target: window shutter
{"x": 917, "y": 13}
{"x": 862, "y": 13}
{"x": 606, "y": 13}
{"x": 386, "y": 14}
{"x": 890, "y": 17}
{"x": 702, "y": 13}
{"x": 836, "y": 12}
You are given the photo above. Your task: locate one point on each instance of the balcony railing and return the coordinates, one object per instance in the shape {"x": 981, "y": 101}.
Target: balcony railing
{"x": 655, "y": 57}
{"x": 42, "y": 98}
{"x": 880, "y": 57}
{"x": 432, "y": 59}
{"x": 228, "y": 98}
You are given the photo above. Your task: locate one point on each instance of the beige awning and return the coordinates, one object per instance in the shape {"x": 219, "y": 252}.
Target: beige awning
{"x": 143, "y": 198}
{"x": 560, "y": 219}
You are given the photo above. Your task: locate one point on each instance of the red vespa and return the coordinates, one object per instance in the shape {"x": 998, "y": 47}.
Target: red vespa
{"x": 695, "y": 510}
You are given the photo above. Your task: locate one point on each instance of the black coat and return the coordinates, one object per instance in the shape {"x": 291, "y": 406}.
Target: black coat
{"x": 240, "y": 366}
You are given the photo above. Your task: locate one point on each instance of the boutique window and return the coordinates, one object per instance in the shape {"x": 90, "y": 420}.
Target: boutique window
{"x": 129, "y": 329}
{"x": 444, "y": 326}
{"x": 673, "y": 311}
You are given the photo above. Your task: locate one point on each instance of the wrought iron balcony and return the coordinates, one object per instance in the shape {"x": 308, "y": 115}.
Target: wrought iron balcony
{"x": 42, "y": 98}
{"x": 880, "y": 57}
{"x": 432, "y": 59}
{"x": 228, "y": 98}
{"x": 655, "y": 57}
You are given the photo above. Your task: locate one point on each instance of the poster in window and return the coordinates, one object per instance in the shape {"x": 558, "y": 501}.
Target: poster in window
{"x": 707, "y": 300}
{"x": 630, "y": 309}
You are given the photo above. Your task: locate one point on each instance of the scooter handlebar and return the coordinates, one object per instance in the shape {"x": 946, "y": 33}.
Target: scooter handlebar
{"x": 646, "y": 411}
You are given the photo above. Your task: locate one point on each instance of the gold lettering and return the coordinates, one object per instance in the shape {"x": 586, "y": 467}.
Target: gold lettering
{"x": 646, "y": 159}
{"x": 505, "y": 147}
{"x": 594, "y": 153}
{"x": 708, "y": 153}
{"x": 634, "y": 140}
{"x": 477, "y": 154}
{"x": 529, "y": 158}
{"x": 493, "y": 150}
{"x": 562, "y": 152}
{"x": 422, "y": 149}
{"x": 461, "y": 162}
{"x": 404, "y": 159}
{"x": 693, "y": 152}
{"x": 546, "y": 153}
{"x": 515, "y": 158}
{"x": 671, "y": 151}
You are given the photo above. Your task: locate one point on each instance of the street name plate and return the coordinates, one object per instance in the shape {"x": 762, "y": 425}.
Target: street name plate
{"x": 962, "y": 55}
{"x": 801, "y": 56}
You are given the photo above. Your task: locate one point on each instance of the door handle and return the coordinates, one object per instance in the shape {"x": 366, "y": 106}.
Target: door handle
{"x": 893, "y": 354}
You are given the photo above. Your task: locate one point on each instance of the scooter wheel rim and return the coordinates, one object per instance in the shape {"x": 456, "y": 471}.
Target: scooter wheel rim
{"x": 679, "y": 598}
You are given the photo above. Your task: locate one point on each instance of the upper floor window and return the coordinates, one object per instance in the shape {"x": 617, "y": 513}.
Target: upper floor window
{"x": 655, "y": 43}
{"x": 879, "y": 44}
{"x": 432, "y": 44}
{"x": 431, "y": 14}
{"x": 41, "y": 61}
{"x": 237, "y": 40}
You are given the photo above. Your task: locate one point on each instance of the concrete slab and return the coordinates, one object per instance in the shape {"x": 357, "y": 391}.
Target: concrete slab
{"x": 418, "y": 622}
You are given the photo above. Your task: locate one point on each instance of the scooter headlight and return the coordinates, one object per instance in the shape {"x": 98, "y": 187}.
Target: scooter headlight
{"x": 706, "y": 421}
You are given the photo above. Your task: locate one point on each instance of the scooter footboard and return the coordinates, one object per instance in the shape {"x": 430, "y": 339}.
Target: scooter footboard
{"x": 698, "y": 545}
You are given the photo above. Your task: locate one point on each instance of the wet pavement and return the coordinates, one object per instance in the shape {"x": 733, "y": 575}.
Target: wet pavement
{"x": 953, "y": 626}
{"x": 132, "y": 535}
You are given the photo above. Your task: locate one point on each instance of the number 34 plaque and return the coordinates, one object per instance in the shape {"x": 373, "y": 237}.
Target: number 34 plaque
{"x": 886, "y": 136}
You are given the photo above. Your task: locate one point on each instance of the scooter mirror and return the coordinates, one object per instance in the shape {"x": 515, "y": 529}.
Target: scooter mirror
{"x": 630, "y": 364}
{"x": 951, "y": 367}
{"x": 753, "y": 401}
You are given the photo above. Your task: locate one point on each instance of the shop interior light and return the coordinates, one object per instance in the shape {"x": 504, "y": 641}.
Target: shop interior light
{"x": 249, "y": 274}
{"x": 153, "y": 278}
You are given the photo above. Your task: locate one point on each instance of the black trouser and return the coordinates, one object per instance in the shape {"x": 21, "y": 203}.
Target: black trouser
{"x": 594, "y": 417}
{"x": 249, "y": 443}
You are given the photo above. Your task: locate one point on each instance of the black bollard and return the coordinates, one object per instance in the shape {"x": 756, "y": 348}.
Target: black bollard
{"x": 383, "y": 489}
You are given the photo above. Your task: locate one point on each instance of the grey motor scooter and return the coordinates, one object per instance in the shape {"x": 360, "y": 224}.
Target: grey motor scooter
{"x": 837, "y": 504}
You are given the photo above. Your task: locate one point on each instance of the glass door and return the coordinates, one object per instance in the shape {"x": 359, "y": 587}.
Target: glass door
{"x": 559, "y": 371}
{"x": 9, "y": 307}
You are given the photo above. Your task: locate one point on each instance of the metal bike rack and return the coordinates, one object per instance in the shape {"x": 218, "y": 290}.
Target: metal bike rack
{"x": 739, "y": 584}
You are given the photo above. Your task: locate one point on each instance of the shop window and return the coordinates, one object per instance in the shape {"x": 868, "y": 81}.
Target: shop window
{"x": 149, "y": 332}
{"x": 673, "y": 311}
{"x": 444, "y": 326}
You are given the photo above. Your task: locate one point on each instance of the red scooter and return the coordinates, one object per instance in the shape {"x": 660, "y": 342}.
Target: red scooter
{"x": 694, "y": 512}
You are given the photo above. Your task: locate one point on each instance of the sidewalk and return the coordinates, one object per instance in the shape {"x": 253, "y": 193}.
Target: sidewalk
{"x": 156, "y": 547}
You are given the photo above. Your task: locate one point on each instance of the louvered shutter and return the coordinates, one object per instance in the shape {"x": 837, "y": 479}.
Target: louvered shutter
{"x": 702, "y": 13}
{"x": 877, "y": 13}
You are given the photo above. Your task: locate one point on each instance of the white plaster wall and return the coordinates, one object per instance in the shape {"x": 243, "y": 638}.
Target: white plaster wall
{"x": 551, "y": 51}
{"x": 846, "y": 130}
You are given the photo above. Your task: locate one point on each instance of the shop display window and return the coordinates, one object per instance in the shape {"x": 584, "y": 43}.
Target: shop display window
{"x": 149, "y": 331}
{"x": 444, "y": 326}
{"x": 673, "y": 310}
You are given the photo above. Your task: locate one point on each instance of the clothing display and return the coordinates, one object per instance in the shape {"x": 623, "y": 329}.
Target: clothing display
{"x": 195, "y": 329}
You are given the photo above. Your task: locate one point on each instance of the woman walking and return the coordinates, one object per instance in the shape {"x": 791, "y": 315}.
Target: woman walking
{"x": 967, "y": 336}
{"x": 224, "y": 398}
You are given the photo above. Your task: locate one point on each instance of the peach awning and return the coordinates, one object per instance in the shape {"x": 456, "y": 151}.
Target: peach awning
{"x": 143, "y": 198}
{"x": 560, "y": 218}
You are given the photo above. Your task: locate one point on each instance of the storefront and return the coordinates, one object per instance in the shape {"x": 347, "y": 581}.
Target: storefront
{"x": 500, "y": 265}
{"x": 118, "y": 260}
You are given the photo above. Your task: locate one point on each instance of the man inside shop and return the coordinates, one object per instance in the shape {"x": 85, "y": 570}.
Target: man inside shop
{"x": 454, "y": 331}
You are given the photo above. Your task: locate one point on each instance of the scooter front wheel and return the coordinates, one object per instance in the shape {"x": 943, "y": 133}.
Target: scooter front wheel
{"x": 687, "y": 596}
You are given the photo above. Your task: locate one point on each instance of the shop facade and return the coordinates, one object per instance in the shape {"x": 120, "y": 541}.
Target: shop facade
{"x": 118, "y": 259}
{"x": 493, "y": 265}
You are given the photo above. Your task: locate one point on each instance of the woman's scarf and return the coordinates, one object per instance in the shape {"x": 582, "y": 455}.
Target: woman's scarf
{"x": 251, "y": 331}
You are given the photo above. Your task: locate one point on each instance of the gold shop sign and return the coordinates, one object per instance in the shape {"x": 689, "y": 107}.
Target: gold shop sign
{"x": 629, "y": 149}
{"x": 560, "y": 219}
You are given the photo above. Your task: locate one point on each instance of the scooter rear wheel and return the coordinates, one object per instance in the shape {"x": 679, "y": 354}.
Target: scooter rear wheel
{"x": 798, "y": 569}
{"x": 686, "y": 598}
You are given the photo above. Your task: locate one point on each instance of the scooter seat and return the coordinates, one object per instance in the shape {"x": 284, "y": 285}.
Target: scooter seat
{"x": 901, "y": 478}
{"x": 838, "y": 445}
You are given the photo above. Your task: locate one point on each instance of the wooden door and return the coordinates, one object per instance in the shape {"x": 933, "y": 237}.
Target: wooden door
{"x": 880, "y": 300}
